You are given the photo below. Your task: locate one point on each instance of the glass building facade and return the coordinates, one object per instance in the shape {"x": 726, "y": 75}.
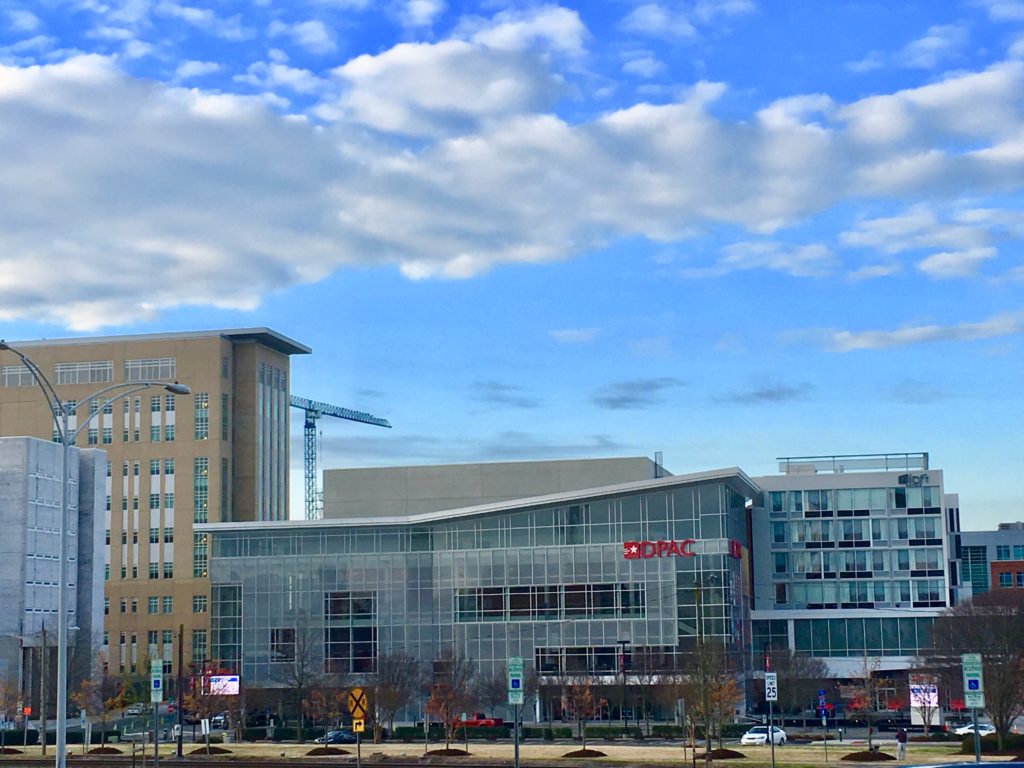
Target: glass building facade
{"x": 559, "y": 580}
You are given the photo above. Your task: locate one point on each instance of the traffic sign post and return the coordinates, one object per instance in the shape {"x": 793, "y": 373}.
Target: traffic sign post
{"x": 771, "y": 695}
{"x": 156, "y": 695}
{"x": 823, "y": 711}
{"x": 974, "y": 693}
{"x": 515, "y": 698}
{"x": 358, "y": 705}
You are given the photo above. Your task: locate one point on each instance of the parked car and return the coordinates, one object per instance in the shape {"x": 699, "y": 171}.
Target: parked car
{"x": 984, "y": 729}
{"x": 337, "y": 737}
{"x": 134, "y": 710}
{"x": 480, "y": 720}
{"x": 758, "y": 735}
{"x": 219, "y": 722}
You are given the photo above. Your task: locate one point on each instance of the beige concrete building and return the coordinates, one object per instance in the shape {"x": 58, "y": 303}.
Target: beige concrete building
{"x": 217, "y": 455}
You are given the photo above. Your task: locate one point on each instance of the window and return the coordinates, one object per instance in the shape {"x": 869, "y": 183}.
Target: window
{"x": 169, "y": 433}
{"x": 199, "y": 555}
{"x": 124, "y": 604}
{"x": 200, "y": 603}
{"x": 84, "y": 373}
{"x": 154, "y": 570}
{"x": 154, "y": 404}
{"x": 154, "y": 501}
{"x": 169, "y": 569}
{"x": 151, "y": 637}
{"x": 154, "y": 535}
{"x": 200, "y": 489}
{"x": 106, "y": 606}
{"x": 168, "y": 501}
{"x": 224, "y": 368}
{"x": 168, "y": 637}
{"x": 224, "y": 417}
{"x": 150, "y": 369}
{"x": 199, "y": 644}
{"x": 135, "y": 469}
{"x": 106, "y": 572}
{"x": 168, "y": 535}
{"x": 108, "y": 506}
{"x": 108, "y": 435}
{"x": 154, "y": 466}
{"x": 168, "y": 603}
{"x": 17, "y": 376}
{"x": 1020, "y": 578}
{"x": 154, "y": 433}
{"x": 1005, "y": 579}
{"x": 108, "y": 469}
{"x": 1018, "y": 551}
{"x": 202, "y": 415}
{"x": 168, "y": 466}
{"x": 94, "y": 436}
{"x": 169, "y": 403}
{"x": 282, "y": 644}
{"x": 781, "y": 562}
{"x": 1003, "y": 552}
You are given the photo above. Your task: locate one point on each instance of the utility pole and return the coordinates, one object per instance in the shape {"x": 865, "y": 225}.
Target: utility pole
{"x": 180, "y": 687}
{"x": 42, "y": 692}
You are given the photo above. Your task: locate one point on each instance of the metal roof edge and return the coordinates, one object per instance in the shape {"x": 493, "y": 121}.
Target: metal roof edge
{"x": 270, "y": 338}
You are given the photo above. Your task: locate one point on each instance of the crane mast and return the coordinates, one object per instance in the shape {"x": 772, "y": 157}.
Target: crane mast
{"x": 313, "y": 411}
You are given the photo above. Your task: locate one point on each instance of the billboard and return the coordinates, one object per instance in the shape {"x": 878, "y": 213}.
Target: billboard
{"x": 224, "y": 685}
{"x": 924, "y": 701}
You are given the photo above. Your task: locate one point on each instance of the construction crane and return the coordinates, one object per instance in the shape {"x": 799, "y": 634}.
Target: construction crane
{"x": 313, "y": 411}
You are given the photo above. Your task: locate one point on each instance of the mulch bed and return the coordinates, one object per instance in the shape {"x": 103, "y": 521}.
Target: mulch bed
{"x": 320, "y": 751}
{"x": 214, "y": 750}
{"x": 9, "y": 751}
{"x": 867, "y": 756}
{"x": 450, "y": 752}
{"x": 105, "y": 751}
{"x": 585, "y": 753}
{"x": 721, "y": 754}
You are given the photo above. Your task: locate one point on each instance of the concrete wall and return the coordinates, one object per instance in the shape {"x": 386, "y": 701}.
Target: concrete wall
{"x": 395, "y": 491}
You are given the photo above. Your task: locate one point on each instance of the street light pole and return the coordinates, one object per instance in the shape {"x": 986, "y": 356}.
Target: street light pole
{"x": 67, "y": 438}
{"x": 622, "y": 666}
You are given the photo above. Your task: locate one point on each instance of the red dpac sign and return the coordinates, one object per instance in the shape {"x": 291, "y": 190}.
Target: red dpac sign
{"x": 635, "y": 550}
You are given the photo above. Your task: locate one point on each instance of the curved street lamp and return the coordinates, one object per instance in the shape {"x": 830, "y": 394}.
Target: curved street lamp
{"x": 62, "y": 412}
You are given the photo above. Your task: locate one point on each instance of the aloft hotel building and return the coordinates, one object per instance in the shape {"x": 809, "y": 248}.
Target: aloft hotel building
{"x": 172, "y": 462}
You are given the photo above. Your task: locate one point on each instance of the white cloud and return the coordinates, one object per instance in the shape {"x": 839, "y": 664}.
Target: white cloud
{"x": 643, "y": 64}
{"x": 813, "y": 260}
{"x": 547, "y": 27}
{"x": 872, "y": 61}
{"x": 996, "y": 326}
{"x": 938, "y": 43}
{"x": 451, "y": 87}
{"x": 421, "y": 13}
{"x": 190, "y": 69}
{"x": 574, "y": 335}
{"x": 205, "y": 19}
{"x": 20, "y": 20}
{"x": 311, "y": 35}
{"x": 1003, "y": 10}
{"x": 668, "y": 21}
{"x": 948, "y": 264}
{"x": 272, "y": 75}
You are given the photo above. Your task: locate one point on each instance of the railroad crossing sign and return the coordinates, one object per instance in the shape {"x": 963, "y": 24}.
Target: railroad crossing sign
{"x": 974, "y": 681}
{"x": 358, "y": 703}
{"x": 771, "y": 686}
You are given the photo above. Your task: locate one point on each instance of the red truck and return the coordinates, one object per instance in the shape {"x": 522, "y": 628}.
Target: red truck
{"x": 480, "y": 720}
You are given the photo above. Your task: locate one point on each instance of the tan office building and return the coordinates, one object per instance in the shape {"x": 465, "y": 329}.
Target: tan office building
{"x": 217, "y": 455}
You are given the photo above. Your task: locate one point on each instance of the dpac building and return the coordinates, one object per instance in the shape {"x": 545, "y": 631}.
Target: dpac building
{"x": 577, "y": 565}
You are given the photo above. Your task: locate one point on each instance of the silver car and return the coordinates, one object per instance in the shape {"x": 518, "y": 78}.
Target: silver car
{"x": 758, "y": 736}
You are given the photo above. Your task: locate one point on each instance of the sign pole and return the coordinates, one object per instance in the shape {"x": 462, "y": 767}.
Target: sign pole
{"x": 515, "y": 731}
{"x": 515, "y": 698}
{"x": 771, "y": 695}
{"x": 974, "y": 693}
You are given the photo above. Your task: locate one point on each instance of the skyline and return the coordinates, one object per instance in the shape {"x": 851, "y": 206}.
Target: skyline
{"x": 722, "y": 229}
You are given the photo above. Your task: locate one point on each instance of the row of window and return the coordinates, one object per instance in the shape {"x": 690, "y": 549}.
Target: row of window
{"x": 155, "y": 571}
{"x": 1003, "y": 552}
{"x": 840, "y": 562}
{"x": 154, "y": 501}
{"x": 154, "y": 536}
{"x": 849, "y": 499}
{"x": 199, "y": 645}
{"x": 848, "y": 593}
{"x": 154, "y": 603}
{"x": 857, "y": 530}
{"x": 1011, "y": 579}
{"x": 550, "y": 603}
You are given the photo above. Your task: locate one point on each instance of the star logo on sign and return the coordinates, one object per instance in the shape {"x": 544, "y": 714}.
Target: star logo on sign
{"x": 631, "y": 550}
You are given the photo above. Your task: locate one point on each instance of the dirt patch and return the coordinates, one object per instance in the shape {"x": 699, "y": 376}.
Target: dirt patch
{"x": 320, "y": 751}
{"x": 214, "y": 750}
{"x": 9, "y": 751}
{"x": 722, "y": 754}
{"x": 867, "y": 756}
{"x": 450, "y": 752}
{"x": 585, "y": 753}
{"x": 105, "y": 751}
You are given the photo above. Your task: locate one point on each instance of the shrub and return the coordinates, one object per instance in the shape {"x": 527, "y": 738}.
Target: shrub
{"x": 1012, "y": 742}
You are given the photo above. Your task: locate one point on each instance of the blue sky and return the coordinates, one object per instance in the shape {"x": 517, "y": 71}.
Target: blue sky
{"x": 728, "y": 230}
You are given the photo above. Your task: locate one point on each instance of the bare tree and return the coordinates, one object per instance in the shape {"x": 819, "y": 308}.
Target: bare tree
{"x": 298, "y": 653}
{"x": 393, "y": 683}
{"x": 492, "y": 691}
{"x": 202, "y": 703}
{"x": 325, "y": 705}
{"x": 101, "y": 693}
{"x": 647, "y": 669}
{"x": 583, "y": 705}
{"x": 991, "y": 624}
{"x": 10, "y": 695}
{"x": 863, "y": 707}
{"x": 451, "y": 690}
{"x": 800, "y": 677}
{"x": 711, "y": 690}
